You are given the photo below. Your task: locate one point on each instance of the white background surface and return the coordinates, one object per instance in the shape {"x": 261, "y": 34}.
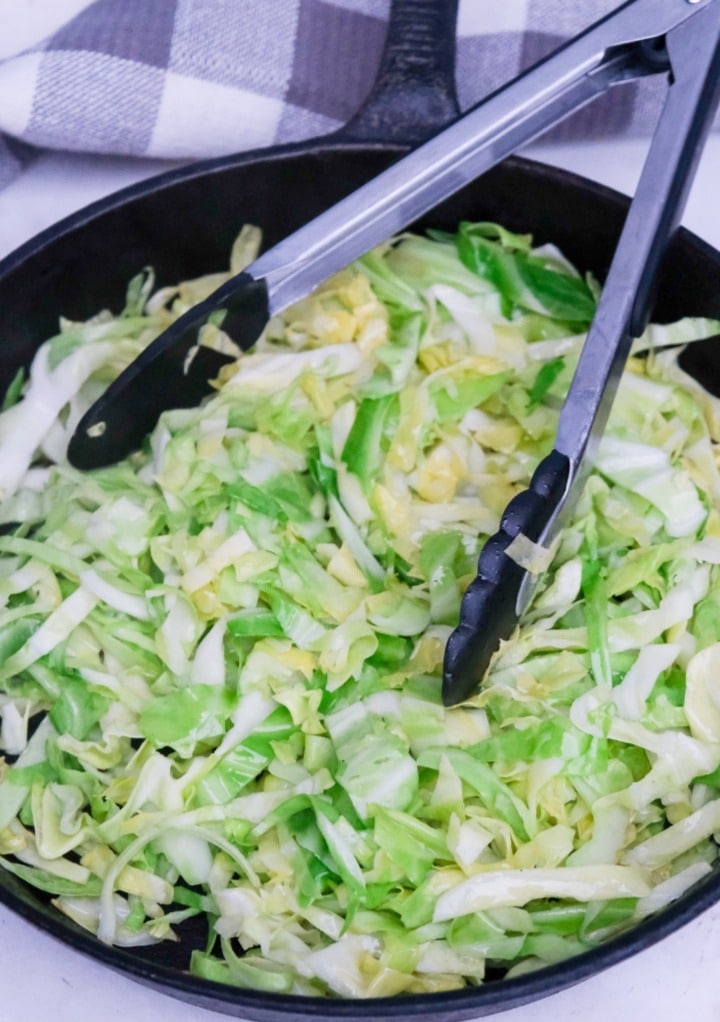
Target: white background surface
{"x": 42, "y": 980}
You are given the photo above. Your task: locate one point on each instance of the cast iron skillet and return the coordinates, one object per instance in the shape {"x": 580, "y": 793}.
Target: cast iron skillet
{"x": 183, "y": 223}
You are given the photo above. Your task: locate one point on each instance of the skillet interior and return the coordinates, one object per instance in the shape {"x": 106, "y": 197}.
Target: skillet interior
{"x": 183, "y": 224}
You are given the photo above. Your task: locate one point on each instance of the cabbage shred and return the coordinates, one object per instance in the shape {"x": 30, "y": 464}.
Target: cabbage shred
{"x": 220, "y": 659}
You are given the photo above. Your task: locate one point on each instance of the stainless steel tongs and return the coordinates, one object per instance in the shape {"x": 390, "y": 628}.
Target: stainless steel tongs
{"x": 679, "y": 39}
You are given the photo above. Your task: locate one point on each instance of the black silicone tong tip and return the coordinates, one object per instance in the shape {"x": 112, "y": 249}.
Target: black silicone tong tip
{"x": 489, "y": 608}
{"x": 173, "y": 372}
{"x": 104, "y": 437}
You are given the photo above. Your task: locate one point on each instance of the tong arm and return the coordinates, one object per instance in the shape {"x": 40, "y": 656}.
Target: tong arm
{"x": 502, "y": 589}
{"x": 617, "y": 49}
{"x": 614, "y": 50}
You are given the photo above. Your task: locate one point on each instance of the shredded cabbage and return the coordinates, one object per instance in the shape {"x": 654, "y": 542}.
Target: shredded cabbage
{"x": 220, "y": 659}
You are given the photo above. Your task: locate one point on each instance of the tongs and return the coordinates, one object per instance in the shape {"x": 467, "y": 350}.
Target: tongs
{"x": 679, "y": 39}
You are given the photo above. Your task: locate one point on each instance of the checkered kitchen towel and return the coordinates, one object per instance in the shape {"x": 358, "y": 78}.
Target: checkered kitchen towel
{"x": 185, "y": 79}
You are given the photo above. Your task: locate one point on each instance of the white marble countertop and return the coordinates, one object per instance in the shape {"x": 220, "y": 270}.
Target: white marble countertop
{"x": 41, "y": 979}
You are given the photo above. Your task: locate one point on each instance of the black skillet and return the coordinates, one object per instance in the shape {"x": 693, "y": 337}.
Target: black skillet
{"x": 183, "y": 223}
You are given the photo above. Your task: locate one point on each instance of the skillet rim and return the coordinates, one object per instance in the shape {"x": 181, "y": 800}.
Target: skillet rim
{"x": 475, "y": 1002}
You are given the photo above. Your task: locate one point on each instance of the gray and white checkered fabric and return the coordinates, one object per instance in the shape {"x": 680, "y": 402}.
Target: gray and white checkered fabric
{"x": 185, "y": 79}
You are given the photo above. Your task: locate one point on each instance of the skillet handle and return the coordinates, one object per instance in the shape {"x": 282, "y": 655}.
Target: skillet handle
{"x": 414, "y": 93}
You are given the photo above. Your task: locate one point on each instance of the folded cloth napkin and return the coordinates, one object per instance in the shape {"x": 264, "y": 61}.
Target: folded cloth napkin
{"x": 186, "y": 79}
